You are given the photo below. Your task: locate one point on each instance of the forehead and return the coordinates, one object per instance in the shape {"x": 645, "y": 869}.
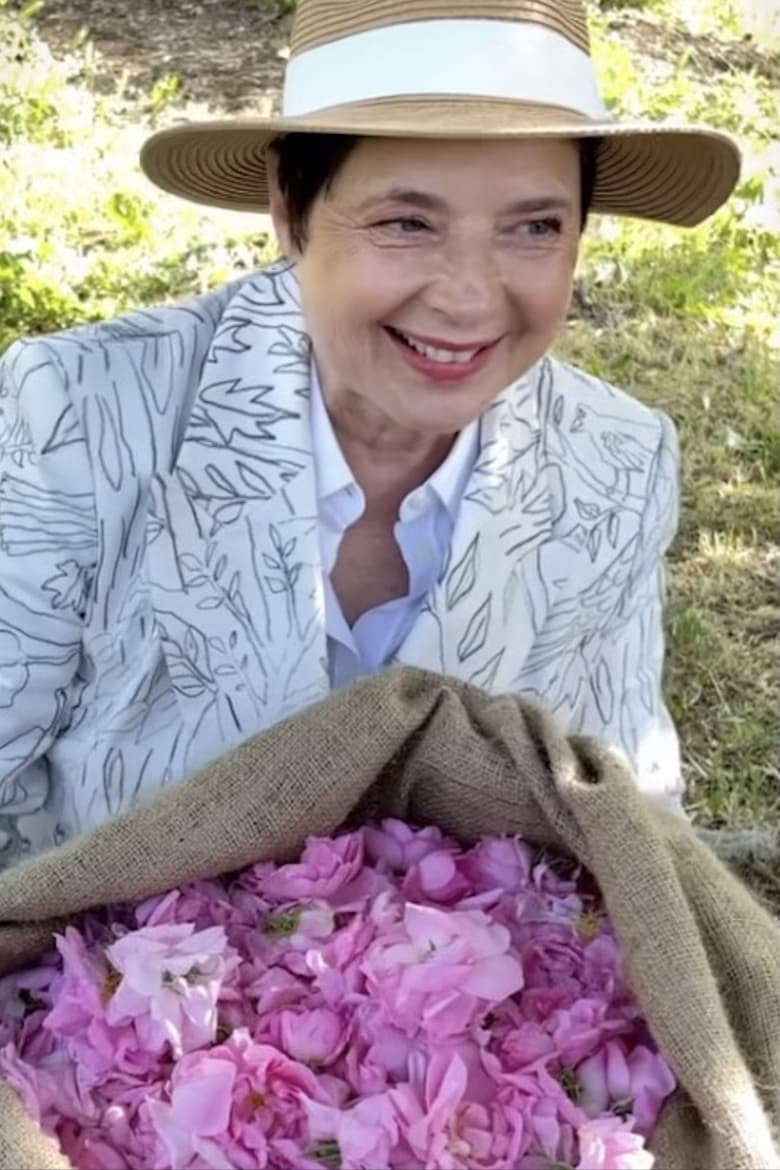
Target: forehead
{"x": 525, "y": 166}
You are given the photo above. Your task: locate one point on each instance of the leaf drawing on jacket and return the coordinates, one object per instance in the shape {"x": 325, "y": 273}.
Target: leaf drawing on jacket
{"x": 477, "y": 630}
{"x": 462, "y": 577}
{"x": 294, "y": 346}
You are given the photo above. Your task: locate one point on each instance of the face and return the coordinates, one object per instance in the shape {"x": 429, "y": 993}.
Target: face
{"x": 436, "y": 273}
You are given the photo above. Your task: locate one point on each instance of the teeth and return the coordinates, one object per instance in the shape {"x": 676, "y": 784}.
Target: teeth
{"x": 448, "y": 356}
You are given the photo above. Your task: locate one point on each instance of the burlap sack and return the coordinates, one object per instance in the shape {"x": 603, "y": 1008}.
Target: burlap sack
{"x": 704, "y": 957}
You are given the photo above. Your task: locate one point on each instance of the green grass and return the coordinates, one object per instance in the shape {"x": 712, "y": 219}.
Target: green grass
{"x": 723, "y": 617}
{"x": 683, "y": 319}
{"x": 83, "y": 235}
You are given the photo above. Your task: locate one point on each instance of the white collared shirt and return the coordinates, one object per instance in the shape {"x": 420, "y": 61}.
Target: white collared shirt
{"x": 423, "y": 531}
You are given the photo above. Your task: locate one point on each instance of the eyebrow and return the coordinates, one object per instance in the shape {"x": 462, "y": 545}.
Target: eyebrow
{"x": 427, "y": 202}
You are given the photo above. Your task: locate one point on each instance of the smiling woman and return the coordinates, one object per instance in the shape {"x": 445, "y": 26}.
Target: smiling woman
{"x": 418, "y": 256}
{"x": 362, "y": 455}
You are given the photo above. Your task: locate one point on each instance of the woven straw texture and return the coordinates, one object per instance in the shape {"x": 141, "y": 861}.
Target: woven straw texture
{"x": 677, "y": 177}
{"x": 703, "y": 956}
{"x": 320, "y": 21}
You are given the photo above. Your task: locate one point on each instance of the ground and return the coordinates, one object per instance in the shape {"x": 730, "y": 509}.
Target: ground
{"x": 683, "y": 320}
{"x": 226, "y": 52}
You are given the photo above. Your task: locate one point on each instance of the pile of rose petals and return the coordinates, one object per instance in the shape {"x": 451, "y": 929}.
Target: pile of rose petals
{"x": 390, "y": 1000}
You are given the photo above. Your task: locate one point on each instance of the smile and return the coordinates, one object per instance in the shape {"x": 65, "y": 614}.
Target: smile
{"x": 457, "y": 354}
{"x": 443, "y": 361}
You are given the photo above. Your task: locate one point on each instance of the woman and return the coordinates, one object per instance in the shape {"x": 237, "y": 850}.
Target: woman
{"x": 213, "y": 514}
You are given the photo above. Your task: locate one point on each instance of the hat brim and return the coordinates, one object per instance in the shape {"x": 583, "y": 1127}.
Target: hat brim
{"x": 673, "y": 174}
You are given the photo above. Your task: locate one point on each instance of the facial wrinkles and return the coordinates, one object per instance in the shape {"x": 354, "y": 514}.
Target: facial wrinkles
{"x": 471, "y": 270}
{"x": 475, "y": 284}
{"x": 466, "y": 284}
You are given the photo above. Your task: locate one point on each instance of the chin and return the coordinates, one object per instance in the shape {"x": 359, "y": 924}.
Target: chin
{"x": 439, "y": 420}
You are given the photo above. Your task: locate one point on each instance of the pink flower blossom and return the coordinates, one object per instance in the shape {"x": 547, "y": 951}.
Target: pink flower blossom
{"x": 325, "y": 866}
{"x": 230, "y": 1105}
{"x": 289, "y": 932}
{"x": 524, "y": 1046}
{"x": 171, "y": 978}
{"x": 199, "y": 1110}
{"x": 607, "y": 1143}
{"x": 441, "y": 1129}
{"x": 274, "y": 988}
{"x": 399, "y": 845}
{"x": 602, "y": 969}
{"x": 577, "y": 1029}
{"x": 79, "y": 999}
{"x": 636, "y": 1083}
{"x": 437, "y": 878}
{"x": 336, "y": 964}
{"x": 444, "y": 969}
{"x": 314, "y": 1037}
{"x": 652, "y": 1083}
{"x": 89, "y": 1151}
{"x": 50, "y": 1087}
{"x": 499, "y": 863}
{"x": 78, "y": 1014}
{"x": 363, "y": 1134}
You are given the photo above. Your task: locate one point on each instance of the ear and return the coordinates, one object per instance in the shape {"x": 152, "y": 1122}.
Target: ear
{"x": 276, "y": 202}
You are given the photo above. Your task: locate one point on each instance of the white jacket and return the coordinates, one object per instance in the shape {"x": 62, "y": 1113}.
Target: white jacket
{"x": 161, "y": 591}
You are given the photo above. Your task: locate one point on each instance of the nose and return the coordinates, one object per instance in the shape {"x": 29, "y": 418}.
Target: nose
{"x": 466, "y": 289}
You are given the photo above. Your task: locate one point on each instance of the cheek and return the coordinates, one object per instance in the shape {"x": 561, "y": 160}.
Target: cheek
{"x": 344, "y": 305}
{"x": 541, "y": 293}
{"x": 353, "y": 294}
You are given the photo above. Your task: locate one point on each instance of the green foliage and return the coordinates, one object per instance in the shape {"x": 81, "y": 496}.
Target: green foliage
{"x": 83, "y": 235}
{"x": 28, "y": 92}
{"x": 165, "y": 91}
{"x": 725, "y": 271}
{"x": 728, "y": 269}
{"x": 32, "y": 304}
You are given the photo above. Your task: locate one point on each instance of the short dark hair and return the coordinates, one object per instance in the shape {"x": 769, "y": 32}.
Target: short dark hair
{"x": 307, "y": 164}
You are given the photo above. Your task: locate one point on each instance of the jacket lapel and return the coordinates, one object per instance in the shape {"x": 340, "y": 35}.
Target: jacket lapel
{"x": 482, "y": 617}
{"x": 232, "y": 558}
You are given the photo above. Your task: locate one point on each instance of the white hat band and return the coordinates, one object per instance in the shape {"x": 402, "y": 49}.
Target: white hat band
{"x": 519, "y": 61}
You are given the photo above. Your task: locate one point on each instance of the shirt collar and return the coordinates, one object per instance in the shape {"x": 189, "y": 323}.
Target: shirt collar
{"x": 333, "y": 472}
{"x": 334, "y": 475}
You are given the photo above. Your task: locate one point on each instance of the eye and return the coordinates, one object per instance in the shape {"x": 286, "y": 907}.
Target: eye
{"x": 405, "y": 225}
{"x": 540, "y": 229}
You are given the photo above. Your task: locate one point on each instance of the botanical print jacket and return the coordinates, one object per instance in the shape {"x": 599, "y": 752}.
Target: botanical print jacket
{"x": 161, "y": 593}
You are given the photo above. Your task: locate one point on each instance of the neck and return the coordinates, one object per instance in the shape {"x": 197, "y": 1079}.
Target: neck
{"x": 387, "y": 461}
{"x": 387, "y": 478}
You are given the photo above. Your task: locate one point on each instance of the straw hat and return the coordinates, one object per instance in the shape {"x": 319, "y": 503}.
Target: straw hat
{"x": 450, "y": 69}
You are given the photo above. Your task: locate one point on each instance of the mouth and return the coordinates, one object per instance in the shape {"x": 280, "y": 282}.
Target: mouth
{"x": 439, "y": 359}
